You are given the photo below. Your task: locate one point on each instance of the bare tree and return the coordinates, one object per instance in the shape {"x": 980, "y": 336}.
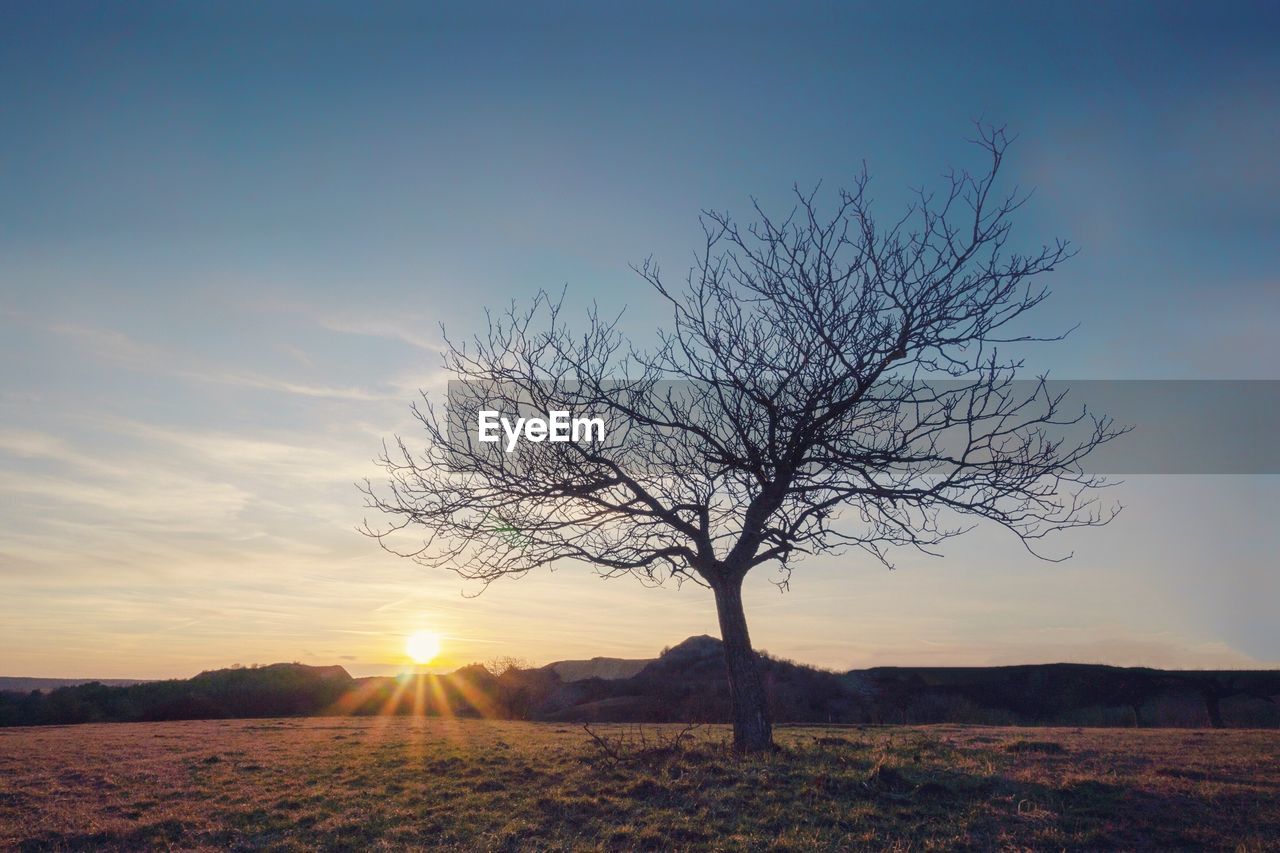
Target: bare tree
{"x": 500, "y": 665}
{"x": 791, "y": 407}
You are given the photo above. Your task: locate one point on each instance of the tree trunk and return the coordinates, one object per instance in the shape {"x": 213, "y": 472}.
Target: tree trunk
{"x": 752, "y": 731}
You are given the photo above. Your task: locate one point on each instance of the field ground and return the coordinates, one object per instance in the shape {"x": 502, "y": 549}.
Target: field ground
{"x": 341, "y": 783}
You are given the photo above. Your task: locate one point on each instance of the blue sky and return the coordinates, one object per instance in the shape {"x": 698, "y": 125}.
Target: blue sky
{"x": 229, "y": 235}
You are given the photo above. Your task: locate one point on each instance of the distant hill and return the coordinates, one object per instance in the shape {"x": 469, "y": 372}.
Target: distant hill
{"x": 278, "y": 690}
{"x": 686, "y": 683}
{"x": 599, "y": 667}
{"x": 26, "y": 685}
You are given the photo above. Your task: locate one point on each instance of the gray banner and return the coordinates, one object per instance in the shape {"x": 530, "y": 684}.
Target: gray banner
{"x": 1212, "y": 426}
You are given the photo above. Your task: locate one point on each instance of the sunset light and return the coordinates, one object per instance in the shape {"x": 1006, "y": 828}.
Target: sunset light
{"x": 677, "y": 426}
{"x": 422, "y": 646}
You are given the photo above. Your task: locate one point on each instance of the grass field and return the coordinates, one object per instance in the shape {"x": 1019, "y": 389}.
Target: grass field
{"x": 391, "y": 783}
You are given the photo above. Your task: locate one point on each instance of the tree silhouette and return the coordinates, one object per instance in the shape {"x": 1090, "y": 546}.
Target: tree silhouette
{"x": 826, "y": 382}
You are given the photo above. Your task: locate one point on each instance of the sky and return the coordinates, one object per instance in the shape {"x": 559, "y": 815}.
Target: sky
{"x": 230, "y": 234}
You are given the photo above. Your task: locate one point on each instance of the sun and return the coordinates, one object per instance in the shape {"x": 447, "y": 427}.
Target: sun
{"x": 423, "y": 646}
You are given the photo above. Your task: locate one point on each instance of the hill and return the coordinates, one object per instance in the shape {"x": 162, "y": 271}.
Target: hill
{"x": 598, "y": 667}
{"x": 686, "y": 683}
{"x": 22, "y": 684}
{"x": 282, "y": 689}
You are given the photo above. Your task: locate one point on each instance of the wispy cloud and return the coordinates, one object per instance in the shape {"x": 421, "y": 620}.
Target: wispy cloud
{"x": 380, "y": 328}
{"x": 32, "y": 444}
{"x": 139, "y": 355}
{"x": 311, "y": 458}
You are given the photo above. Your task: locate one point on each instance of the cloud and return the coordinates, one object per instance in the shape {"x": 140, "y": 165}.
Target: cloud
{"x": 31, "y": 444}
{"x": 109, "y": 343}
{"x": 377, "y": 328}
{"x": 408, "y": 385}
{"x": 301, "y": 458}
{"x": 174, "y": 502}
{"x": 119, "y": 347}
{"x": 266, "y": 383}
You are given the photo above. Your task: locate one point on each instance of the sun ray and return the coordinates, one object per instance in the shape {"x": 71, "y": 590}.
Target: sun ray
{"x": 473, "y": 696}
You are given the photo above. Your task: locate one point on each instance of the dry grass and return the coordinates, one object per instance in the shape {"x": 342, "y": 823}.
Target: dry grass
{"x": 402, "y": 782}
